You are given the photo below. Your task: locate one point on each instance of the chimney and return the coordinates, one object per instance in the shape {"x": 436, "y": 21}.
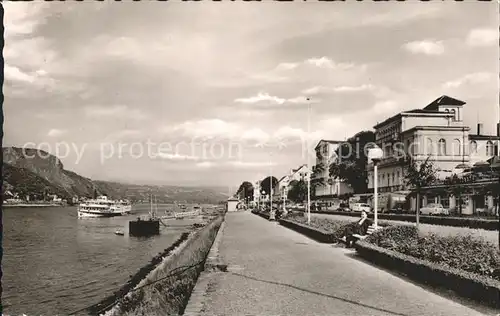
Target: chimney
{"x": 479, "y": 129}
{"x": 498, "y": 129}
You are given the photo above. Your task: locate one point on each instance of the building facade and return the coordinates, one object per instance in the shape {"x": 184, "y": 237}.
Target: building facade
{"x": 437, "y": 133}
{"x": 325, "y": 186}
{"x": 283, "y": 186}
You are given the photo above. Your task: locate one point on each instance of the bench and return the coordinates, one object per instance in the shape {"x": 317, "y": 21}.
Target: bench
{"x": 369, "y": 231}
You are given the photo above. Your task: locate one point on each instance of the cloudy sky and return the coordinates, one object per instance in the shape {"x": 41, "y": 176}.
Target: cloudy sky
{"x": 216, "y": 93}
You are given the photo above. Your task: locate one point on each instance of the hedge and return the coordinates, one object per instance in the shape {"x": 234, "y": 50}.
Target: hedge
{"x": 470, "y": 222}
{"x": 477, "y": 287}
{"x": 466, "y": 253}
{"x": 314, "y": 233}
{"x": 261, "y": 214}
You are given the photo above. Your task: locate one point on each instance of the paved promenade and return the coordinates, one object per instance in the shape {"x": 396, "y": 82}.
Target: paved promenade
{"x": 276, "y": 271}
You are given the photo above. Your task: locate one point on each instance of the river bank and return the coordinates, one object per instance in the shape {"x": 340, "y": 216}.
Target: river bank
{"x": 31, "y": 205}
{"x": 63, "y": 263}
{"x": 167, "y": 288}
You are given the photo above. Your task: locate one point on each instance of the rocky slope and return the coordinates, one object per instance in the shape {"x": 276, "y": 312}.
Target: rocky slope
{"x": 35, "y": 172}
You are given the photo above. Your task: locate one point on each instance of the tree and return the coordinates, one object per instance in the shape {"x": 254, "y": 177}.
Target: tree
{"x": 316, "y": 178}
{"x": 298, "y": 191}
{"x": 266, "y": 184}
{"x": 418, "y": 176}
{"x": 352, "y": 161}
{"x": 247, "y": 189}
{"x": 457, "y": 188}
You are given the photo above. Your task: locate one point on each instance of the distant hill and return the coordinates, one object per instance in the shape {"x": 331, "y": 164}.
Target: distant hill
{"x": 35, "y": 173}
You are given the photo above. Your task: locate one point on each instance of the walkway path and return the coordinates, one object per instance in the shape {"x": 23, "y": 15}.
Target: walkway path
{"x": 276, "y": 271}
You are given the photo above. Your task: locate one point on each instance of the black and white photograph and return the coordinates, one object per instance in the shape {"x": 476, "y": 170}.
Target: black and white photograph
{"x": 230, "y": 158}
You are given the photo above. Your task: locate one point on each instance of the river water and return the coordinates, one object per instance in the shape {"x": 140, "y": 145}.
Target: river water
{"x": 54, "y": 263}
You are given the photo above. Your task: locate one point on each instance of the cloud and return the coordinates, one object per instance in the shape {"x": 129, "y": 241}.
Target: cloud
{"x": 339, "y": 89}
{"x": 186, "y": 81}
{"x": 325, "y": 62}
{"x": 55, "y": 132}
{"x": 255, "y": 134}
{"x": 176, "y": 156}
{"x": 205, "y": 128}
{"x": 482, "y": 37}
{"x": 287, "y": 66}
{"x": 426, "y": 47}
{"x": 472, "y": 78}
{"x": 386, "y": 107}
{"x": 116, "y": 111}
{"x": 250, "y": 164}
{"x": 15, "y": 74}
{"x": 291, "y": 71}
{"x": 205, "y": 164}
{"x": 259, "y": 98}
{"x": 22, "y": 18}
{"x": 267, "y": 99}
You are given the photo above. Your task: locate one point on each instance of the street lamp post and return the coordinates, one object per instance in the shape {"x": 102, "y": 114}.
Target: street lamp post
{"x": 284, "y": 199}
{"x": 308, "y": 162}
{"x": 375, "y": 154}
{"x": 271, "y": 212}
{"x": 495, "y": 165}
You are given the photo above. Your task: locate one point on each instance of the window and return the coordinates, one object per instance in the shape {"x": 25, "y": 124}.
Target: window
{"x": 398, "y": 178}
{"x": 454, "y": 115}
{"x": 442, "y": 147}
{"x": 457, "y": 148}
{"x": 489, "y": 149}
{"x": 430, "y": 146}
{"x": 473, "y": 147}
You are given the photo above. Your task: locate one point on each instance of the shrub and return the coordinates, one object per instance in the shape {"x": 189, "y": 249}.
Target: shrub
{"x": 471, "y": 285}
{"x": 464, "y": 252}
{"x": 335, "y": 227}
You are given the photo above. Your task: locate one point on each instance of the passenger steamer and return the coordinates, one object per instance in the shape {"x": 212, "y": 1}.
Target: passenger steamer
{"x": 103, "y": 207}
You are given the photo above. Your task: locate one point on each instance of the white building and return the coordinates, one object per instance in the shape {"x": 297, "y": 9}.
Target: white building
{"x": 436, "y": 132}
{"x": 325, "y": 186}
{"x": 283, "y": 186}
{"x": 256, "y": 190}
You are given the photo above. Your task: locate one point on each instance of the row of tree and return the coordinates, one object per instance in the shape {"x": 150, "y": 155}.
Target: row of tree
{"x": 297, "y": 189}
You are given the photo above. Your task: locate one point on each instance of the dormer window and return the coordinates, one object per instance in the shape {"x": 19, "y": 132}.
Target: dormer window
{"x": 454, "y": 115}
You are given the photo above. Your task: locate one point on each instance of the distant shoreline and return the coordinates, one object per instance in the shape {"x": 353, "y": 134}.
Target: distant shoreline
{"x": 30, "y": 205}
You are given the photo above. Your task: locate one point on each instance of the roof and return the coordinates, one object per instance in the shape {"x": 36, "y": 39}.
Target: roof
{"x": 483, "y": 137}
{"x": 437, "y": 128}
{"x": 233, "y": 199}
{"x": 426, "y": 111}
{"x": 443, "y": 100}
{"x": 282, "y": 178}
{"x": 431, "y": 108}
{"x": 414, "y": 111}
{"x": 329, "y": 142}
{"x": 295, "y": 170}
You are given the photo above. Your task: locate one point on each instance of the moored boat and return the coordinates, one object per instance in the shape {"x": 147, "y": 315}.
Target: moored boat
{"x": 125, "y": 207}
{"x": 119, "y": 232}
